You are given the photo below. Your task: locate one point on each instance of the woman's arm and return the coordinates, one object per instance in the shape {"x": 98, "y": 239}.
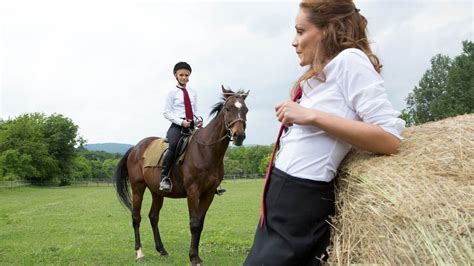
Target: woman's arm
{"x": 359, "y": 134}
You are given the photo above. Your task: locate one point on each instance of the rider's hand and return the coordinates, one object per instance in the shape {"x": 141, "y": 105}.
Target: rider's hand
{"x": 199, "y": 123}
{"x": 185, "y": 123}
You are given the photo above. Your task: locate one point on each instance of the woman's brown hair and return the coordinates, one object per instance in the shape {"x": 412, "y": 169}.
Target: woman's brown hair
{"x": 343, "y": 27}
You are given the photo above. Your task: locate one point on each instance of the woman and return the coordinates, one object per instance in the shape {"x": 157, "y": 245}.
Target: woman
{"x": 343, "y": 104}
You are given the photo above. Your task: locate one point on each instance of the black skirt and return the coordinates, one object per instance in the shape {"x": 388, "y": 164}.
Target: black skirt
{"x": 296, "y": 229}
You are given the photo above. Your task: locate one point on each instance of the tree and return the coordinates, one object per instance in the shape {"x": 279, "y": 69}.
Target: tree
{"x": 24, "y": 134}
{"x": 81, "y": 168}
{"x": 461, "y": 81}
{"x": 263, "y": 167}
{"x": 425, "y": 103}
{"x": 60, "y": 134}
{"x": 109, "y": 166}
{"x": 240, "y": 160}
{"x": 102, "y": 163}
{"x": 44, "y": 144}
{"x": 445, "y": 90}
{"x": 98, "y": 169}
{"x": 14, "y": 165}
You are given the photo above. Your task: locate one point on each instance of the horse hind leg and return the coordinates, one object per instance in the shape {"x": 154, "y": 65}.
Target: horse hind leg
{"x": 154, "y": 215}
{"x": 138, "y": 190}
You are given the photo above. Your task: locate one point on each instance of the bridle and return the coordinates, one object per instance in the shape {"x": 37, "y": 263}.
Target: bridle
{"x": 228, "y": 125}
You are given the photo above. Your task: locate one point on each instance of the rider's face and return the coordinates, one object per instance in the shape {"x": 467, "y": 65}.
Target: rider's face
{"x": 182, "y": 75}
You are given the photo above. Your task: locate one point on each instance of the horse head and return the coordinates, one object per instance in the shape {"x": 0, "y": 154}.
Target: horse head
{"x": 235, "y": 114}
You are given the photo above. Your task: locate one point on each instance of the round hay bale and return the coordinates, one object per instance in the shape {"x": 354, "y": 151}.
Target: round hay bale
{"x": 415, "y": 207}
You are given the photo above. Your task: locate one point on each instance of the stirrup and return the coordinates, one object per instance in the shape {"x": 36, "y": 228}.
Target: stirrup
{"x": 166, "y": 189}
{"x": 220, "y": 191}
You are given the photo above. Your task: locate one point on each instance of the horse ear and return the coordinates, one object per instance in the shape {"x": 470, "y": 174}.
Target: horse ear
{"x": 245, "y": 94}
{"x": 226, "y": 93}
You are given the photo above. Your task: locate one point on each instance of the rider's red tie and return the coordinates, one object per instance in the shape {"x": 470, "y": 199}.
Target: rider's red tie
{"x": 297, "y": 96}
{"x": 187, "y": 104}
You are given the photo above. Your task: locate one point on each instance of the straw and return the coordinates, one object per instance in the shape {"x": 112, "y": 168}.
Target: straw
{"x": 415, "y": 207}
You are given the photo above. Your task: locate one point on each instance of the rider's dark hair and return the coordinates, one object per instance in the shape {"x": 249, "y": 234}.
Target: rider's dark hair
{"x": 181, "y": 65}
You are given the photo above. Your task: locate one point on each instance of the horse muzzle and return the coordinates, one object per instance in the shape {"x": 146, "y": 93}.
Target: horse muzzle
{"x": 238, "y": 138}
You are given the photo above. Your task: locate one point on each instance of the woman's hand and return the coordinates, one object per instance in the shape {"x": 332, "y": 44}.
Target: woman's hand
{"x": 290, "y": 113}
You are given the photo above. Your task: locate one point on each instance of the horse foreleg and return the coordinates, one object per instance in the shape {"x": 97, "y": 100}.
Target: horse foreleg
{"x": 138, "y": 190}
{"x": 197, "y": 212}
{"x": 154, "y": 215}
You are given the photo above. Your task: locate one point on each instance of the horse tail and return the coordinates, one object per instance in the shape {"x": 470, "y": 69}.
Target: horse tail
{"x": 121, "y": 181}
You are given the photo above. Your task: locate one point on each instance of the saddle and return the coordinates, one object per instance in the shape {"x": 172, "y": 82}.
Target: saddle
{"x": 153, "y": 155}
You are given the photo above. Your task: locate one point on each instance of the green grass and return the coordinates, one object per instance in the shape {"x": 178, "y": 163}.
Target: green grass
{"x": 87, "y": 225}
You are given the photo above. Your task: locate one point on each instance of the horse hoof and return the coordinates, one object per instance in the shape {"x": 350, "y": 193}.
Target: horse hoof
{"x": 198, "y": 263}
{"x": 140, "y": 255}
{"x": 164, "y": 254}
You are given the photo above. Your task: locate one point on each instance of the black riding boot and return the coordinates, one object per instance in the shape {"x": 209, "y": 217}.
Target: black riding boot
{"x": 165, "y": 183}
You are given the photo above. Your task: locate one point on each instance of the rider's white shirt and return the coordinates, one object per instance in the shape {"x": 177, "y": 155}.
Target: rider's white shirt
{"x": 353, "y": 90}
{"x": 174, "y": 106}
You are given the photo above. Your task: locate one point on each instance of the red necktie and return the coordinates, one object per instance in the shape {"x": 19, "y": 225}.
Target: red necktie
{"x": 297, "y": 96}
{"x": 187, "y": 104}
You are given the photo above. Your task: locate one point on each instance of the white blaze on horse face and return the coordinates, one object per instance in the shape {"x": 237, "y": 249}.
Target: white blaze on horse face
{"x": 238, "y": 105}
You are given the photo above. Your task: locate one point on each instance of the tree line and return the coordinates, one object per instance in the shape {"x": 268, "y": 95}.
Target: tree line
{"x": 42, "y": 149}
{"x": 47, "y": 149}
{"x": 445, "y": 90}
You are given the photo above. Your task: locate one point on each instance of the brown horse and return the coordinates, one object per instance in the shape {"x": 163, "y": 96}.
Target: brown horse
{"x": 200, "y": 174}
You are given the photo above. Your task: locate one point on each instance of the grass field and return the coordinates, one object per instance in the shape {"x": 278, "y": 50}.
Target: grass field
{"x": 87, "y": 225}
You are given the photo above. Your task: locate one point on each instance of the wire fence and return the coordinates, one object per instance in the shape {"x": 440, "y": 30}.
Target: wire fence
{"x": 83, "y": 182}
{"x": 97, "y": 182}
{"x": 242, "y": 176}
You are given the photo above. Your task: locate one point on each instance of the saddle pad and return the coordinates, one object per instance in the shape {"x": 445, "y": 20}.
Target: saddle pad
{"x": 153, "y": 155}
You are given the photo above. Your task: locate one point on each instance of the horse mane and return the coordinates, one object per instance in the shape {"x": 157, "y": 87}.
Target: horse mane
{"x": 216, "y": 108}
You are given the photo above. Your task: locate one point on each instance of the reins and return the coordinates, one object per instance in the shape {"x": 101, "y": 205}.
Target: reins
{"x": 210, "y": 144}
{"x": 227, "y": 125}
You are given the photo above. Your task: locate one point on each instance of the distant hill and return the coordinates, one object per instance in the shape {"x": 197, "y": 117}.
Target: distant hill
{"x": 108, "y": 147}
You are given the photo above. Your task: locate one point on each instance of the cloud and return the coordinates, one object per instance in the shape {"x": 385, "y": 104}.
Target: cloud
{"x": 412, "y": 33}
{"x": 108, "y": 64}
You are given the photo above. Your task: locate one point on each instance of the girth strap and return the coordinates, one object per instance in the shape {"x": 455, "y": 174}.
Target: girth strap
{"x": 179, "y": 180}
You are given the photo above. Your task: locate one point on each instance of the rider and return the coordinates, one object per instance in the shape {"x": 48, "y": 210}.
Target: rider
{"x": 180, "y": 110}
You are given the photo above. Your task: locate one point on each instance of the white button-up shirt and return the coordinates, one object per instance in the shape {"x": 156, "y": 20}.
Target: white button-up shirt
{"x": 174, "y": 106}
{"x": 353, "y": 90}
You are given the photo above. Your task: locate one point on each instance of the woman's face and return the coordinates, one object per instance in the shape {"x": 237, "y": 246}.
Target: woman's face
{"x": 307, "y": 38}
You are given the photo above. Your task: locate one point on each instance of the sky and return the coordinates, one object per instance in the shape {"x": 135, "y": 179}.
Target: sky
{"x": 107, "y": 64}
